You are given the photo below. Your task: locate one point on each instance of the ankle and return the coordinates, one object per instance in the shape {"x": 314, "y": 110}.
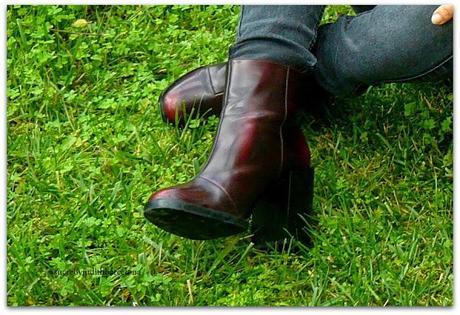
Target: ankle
{"x": 280, "y": 51}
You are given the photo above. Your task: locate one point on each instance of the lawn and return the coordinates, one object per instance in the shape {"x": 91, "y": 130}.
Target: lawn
{"x": 87, "y": 146}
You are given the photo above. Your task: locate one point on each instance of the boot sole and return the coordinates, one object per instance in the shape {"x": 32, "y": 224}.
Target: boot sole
{"x": 191, "y": 220}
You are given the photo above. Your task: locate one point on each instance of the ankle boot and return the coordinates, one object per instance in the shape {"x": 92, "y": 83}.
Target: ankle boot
{"x": 197, "y": 93}
{"x": 257, "y": 151}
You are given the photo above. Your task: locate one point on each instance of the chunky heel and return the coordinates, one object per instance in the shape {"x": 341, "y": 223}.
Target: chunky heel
{"x": 284, "y": 210}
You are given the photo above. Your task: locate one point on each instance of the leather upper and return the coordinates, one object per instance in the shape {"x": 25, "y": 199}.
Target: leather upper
{"x": 251, "y": 147}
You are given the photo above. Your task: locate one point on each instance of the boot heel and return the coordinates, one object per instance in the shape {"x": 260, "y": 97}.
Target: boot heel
{"x": 283, "y": 211}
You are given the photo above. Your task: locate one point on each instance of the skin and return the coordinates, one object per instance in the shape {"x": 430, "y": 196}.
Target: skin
{"x": 443, "y": 14}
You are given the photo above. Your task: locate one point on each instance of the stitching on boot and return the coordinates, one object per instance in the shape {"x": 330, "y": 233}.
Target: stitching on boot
{"x": 286, "y": 89}
{"x": 221, "y": 188}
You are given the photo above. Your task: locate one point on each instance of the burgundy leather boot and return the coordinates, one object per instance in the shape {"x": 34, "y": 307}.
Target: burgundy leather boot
{"x": 259, "y": 162}
{"x": 198, "y": 93}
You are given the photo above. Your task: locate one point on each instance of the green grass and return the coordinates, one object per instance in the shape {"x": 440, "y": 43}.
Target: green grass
{"x": 86, "y": 147}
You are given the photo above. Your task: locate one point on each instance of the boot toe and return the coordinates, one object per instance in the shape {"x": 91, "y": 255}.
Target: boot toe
{"x": 169, "y": 107}
{"x": 190, "y": 211}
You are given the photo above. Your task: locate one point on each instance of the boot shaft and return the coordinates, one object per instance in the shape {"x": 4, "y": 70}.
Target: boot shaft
{"x": 256, "y": 138}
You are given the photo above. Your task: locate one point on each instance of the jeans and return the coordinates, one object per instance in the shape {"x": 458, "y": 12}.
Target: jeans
{"x": 384, "y": 43}
{"x": 284, "y": 34}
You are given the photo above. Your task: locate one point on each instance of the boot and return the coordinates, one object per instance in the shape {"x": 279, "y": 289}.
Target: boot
{"x": 199, "y": 92}
{"x": 259, "y": 162}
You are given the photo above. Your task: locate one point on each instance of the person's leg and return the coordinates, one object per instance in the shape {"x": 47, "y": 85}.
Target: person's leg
{"x": 386, "y": 44}
{"x": 260, "y": 162}
{"x": 281, "y": 33}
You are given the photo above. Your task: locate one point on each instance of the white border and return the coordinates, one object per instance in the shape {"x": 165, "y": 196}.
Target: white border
{"x": 149, "y": 310}
{"x": 235, "y": 2}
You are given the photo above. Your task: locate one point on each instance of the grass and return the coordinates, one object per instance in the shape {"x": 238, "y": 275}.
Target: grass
{"x": 86, "y": 147}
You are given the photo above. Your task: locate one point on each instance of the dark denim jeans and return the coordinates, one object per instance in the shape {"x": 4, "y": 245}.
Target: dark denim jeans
{"x": 282, "y": 33}
{"x": 384, "y": 43}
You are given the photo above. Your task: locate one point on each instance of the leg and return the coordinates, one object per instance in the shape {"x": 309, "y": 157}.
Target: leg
{"x": 283, "y": 34}
{"x": 259, "y": 152}
{"x": 385, "y": 44}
